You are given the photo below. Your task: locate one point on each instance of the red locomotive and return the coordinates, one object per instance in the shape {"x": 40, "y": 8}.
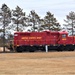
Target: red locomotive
{"x": 44, "y": 41}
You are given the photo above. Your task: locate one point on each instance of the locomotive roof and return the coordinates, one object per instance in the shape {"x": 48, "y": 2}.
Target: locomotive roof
{"x": 60, "y": 32}
{"x": 63, "y": 32}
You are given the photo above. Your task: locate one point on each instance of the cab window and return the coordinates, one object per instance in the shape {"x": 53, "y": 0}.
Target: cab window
{"x": 63, "y": 35}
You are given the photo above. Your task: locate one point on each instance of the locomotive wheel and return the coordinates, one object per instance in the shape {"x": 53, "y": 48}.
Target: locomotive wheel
{"x": 70, "y": 48}
{"x": 32, "y": 49}
{"x": 67, "y": 49}
{"x": 19, "y": 49}
{"x": 27, "y": 49}
{"x": 59, "y": 49}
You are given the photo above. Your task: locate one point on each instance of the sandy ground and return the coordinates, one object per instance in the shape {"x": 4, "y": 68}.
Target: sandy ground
{"x": 37, "y": 63}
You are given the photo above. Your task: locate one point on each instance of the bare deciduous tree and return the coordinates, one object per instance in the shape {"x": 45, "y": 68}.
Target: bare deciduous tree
{"x": 70, "y": 22}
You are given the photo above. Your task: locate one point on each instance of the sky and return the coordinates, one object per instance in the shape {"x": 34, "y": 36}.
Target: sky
{"x": 60, "y": 8}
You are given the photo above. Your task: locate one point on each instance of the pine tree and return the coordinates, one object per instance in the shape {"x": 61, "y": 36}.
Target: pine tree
{"x": 5, "y": 19}
{"x": 18, "y": 19}
{"x": 34, "y": 20}
{"x": 50, "y": 23}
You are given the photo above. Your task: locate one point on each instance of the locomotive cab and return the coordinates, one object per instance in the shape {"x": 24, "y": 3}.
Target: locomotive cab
{"x": 63, "y": 42}
{"x": 63, "y": 37}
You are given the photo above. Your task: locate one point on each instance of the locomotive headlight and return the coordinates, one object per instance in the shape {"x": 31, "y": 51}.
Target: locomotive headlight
{"x": 15, "y": 34}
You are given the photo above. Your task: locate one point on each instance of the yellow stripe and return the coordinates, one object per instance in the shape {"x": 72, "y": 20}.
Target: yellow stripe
{"x": 17, "y": 45}
{"x": 64, "y": 39}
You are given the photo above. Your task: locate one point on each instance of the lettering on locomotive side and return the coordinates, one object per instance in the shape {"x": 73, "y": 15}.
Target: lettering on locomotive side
{"x": 24, "y": 38}
{"x": 31, "y": 38}
{"x": 39, "y": 37}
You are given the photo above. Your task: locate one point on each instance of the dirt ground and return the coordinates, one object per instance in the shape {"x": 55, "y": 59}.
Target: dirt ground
{"x": 37, "y": 63}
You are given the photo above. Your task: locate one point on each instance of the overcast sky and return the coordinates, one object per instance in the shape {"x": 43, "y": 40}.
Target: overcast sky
{"x": 60, "y": 8}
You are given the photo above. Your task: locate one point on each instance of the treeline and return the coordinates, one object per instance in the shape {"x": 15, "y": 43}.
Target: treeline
{"x": 16, "y": 20}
